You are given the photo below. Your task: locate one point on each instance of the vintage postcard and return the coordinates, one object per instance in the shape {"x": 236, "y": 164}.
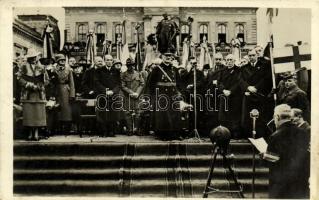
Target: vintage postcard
{"x": 158, "y": 99}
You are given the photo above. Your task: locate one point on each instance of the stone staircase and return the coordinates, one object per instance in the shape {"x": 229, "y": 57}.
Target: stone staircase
{"x": 165, "y": 169}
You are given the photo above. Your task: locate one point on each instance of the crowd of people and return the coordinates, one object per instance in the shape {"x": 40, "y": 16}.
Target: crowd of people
{"x": 157, "y": 100}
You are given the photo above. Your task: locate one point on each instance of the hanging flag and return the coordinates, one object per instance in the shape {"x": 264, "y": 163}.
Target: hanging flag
{"x": 271, "y": 12}
{"x": 47, "y": 43}
{"x": 124, "y": 53}
{"x": 185, "y": 53}
{"x": 90, "y": 47}
{"x": 204, "y": 57}
{"x": 138, "y": 58}
{"x": 292, "y": 58}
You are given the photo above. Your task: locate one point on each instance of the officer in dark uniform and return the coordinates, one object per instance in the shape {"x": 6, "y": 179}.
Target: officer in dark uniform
{"x": 163, "y": 86}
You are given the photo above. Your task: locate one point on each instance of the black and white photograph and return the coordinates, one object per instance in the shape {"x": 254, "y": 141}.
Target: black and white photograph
{"x": 159, "y": 101}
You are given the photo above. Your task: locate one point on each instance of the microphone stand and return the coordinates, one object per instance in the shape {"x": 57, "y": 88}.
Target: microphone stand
{"x": 254, "y": 115}
{"x": 197, "y": 137}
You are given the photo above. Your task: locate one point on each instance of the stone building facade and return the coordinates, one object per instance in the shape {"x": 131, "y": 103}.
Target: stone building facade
{"x": 25, "y": 38}
{"x": 39, "y": 22}
{"x": 218, "y": 25}
{"x": 28, "y": 30}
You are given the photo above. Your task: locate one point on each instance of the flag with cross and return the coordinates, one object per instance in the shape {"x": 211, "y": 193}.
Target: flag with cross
{"x": 292, "y": 58}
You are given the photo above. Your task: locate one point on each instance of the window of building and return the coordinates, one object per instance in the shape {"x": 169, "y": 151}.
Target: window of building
{"x": 184, "y": 32}
{"x": 100, "y": 33}
{"x": 203, "y": 31}
{"x": 82, "y": 31}
{"x": 140, "y": 32}
{"x": 118, "y": 32}
{"x": 221, "y": 33}
{"x": 240, "y": 32}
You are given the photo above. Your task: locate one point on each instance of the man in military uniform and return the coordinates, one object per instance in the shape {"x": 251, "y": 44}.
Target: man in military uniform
{"x": 107, "y": 82}
{"x": 294, "y": 96}
{"x": 256, "y": 84}
{"x": 132, "y": 86}
{"x": 163, "y": 86}
{"x": 166, "y": 32}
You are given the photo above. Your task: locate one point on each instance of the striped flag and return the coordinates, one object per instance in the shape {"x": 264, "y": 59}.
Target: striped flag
{"x": 124, "y": 53}
{"x": 90, "y": 48}
{"x": 292, "y": 58}
{"x": 47, "y": 43}
{"x": 204, "y": 57}
{"x": 185, "y": 53}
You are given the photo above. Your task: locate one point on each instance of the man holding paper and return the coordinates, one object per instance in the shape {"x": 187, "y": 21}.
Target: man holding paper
{"x": 289, "y": 166}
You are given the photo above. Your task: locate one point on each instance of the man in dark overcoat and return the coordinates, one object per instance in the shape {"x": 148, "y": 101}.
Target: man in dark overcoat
{"x": 107, "y": 82}
{"x": 256, "y": 84}
{"x": 187, "y": 77}
{"x": 288, "y": 152}
{"x": 231, "y": 97}
{"x": 211, "y": 93}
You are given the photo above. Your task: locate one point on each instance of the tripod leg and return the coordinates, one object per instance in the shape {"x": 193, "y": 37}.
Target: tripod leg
{"x": 210, "y": 174}
{"x": 226, "y": 162}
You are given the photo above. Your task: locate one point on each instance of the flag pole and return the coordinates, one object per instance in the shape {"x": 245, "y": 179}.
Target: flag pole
{"x": 270, "y": 12}
{"x": 272, "y": 71}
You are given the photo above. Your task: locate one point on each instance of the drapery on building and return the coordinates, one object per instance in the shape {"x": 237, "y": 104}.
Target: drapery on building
{"x": 218, "y": 25}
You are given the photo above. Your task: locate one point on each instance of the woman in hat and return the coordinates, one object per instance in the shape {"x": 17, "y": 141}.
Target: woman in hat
{"x": 65, "y": 92}
{"x": 33, "y": 78}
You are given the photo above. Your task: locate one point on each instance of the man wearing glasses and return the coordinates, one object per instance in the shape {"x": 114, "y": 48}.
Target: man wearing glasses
{"x": 256, "y": 84}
